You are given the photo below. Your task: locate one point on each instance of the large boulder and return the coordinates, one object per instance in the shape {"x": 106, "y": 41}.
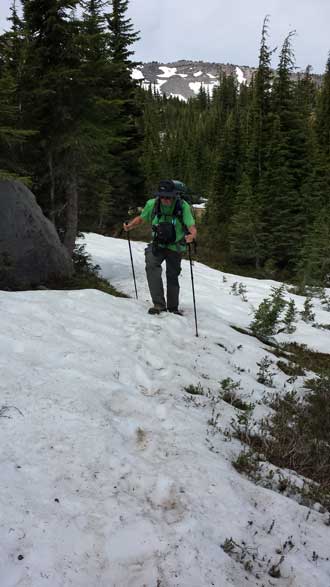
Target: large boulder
{"x": 31, "y": 253}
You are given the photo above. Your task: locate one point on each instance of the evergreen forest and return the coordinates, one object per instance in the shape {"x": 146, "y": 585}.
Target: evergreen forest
{"x": 92, "y": 144}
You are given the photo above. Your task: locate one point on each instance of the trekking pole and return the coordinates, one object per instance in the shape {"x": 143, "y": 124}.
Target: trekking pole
{"x": 192, "y": 285}
{"x": 130, "y": 252}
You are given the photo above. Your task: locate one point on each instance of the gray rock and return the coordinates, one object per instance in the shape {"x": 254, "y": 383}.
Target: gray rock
{"x": 31, "y": 253}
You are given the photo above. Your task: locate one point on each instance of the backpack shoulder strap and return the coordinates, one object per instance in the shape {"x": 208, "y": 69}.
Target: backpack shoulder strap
{"x": 178, "y": 213}
{"x": 156, "y": 209}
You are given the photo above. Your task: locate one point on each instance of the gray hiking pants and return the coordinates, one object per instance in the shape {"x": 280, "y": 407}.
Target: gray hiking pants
{"x": 154, "y": 260}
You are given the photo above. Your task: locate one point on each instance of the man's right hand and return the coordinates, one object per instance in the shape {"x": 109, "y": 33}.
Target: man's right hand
{"x": 132, "y": 224}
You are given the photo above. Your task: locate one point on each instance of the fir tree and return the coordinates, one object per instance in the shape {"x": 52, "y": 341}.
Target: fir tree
{"x": 290, "y": 317}
{"x": 51, "y": 102}
{"x": 315, "y": 261}
{"x": 260, "y": 119}
{"x": 323, "y": 112}
{"x": 12, "y": 132}
{"x": 285, "y": 171}
{"x": 307, "y": 313}
{"x": 246, "y": 226}
{"x": 127, "y": 181}
{"x": 99, "y": 127}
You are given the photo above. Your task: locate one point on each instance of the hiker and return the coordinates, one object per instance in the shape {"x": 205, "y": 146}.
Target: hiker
{"x": 173, "y": 227}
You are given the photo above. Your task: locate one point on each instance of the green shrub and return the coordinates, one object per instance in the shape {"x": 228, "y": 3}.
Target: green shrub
{"x": 247, "y": 463}
{"x": 267, "y": 315}
{"x": 297, "y": 435}
{"x": 228, "y": 393}
{"x": 86, "y": 276}
{"x": 307, "y": 313}
{"x": 194, "y": 389}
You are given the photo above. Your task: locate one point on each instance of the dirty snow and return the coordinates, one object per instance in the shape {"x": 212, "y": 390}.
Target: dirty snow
{"x": 110, "y": 475}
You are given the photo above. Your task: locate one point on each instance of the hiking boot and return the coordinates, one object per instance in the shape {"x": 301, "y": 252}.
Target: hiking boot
{"x": 175, "y": 311}
{"x": 156, "y": 310}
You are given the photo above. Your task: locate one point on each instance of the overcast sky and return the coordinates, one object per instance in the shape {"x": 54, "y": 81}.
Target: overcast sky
{"x": 226, "y": 30}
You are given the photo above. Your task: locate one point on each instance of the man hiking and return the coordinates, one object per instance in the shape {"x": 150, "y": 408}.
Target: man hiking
{"x": 173, "y": 227}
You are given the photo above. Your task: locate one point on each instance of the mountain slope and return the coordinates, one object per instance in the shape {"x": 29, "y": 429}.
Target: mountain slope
{"x": 184, "y": 78}
{"x": 113, "y": 475}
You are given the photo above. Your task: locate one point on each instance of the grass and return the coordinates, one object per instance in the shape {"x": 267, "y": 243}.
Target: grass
{"x": 229, "y": 393}
{"x": 194, "y": 389}
{"x": 86, "y": 280}
{"x": 296, "y": 436}
{"x": 291, "y": 368}
{"x": 300, "y": 358}
{"x": 85, "y": 276}
{"x": 246, "y": 462}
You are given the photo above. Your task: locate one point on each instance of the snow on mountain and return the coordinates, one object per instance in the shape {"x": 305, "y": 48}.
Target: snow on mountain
{"x": 185, "y": 78}
{"x": 111, "y": 476}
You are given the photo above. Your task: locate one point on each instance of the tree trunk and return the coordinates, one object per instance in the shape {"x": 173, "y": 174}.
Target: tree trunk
{"x": 52, "y": 187}
{"x": 71, "y": 214}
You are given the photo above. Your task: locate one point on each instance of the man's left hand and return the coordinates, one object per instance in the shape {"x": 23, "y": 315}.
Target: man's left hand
{"x": 189, "y": 238}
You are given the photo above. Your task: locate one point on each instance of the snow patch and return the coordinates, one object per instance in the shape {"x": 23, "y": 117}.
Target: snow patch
{"x": 137, "y": 74}
{"x": 168, "y": 71}
{"x": 240, "y": 76}
{"x": 179, "y": 96}
{"x": 196, "y": 86}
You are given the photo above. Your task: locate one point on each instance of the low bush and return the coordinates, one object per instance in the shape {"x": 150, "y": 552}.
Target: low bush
{"x": 297, "y": 436}
{"x": 86, "y": 276}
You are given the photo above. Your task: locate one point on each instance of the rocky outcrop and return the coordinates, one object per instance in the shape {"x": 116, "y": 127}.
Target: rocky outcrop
{"x": 31, "y": 253}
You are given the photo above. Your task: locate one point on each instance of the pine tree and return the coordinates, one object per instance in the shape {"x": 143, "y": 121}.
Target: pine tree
{"x": 51, "y": 101}
{"x": 245, "y": 226}
{"x": 152, "y": 159}
{"x": 285, "y": 169}
{"x": 323, "y": 113}
{"x": 315, "y": 261}
{"x": 12, "y": 133}
{"x": 260, "y": 119}
{"x": 307, "y": 313}
{"x": 128, "y": 181}
{"x": 290, "y": 317}
{"x": 99, "y": 132}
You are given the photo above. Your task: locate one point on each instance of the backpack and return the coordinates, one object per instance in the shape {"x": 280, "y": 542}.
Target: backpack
{"x": 164, "y": 233}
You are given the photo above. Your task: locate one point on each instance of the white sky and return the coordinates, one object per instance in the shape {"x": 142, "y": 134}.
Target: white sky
{"x": 111, "y": 474}
{"x": 220, "y": 31}
{"x": 226, "y": 31}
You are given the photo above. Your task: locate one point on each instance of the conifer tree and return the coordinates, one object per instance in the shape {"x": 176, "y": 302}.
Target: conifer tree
{"x": 315, "y": 261}
{"x": 10, "y": 135}
{"x": 99, "y": 116}
{"x": 314, "y": 190}
{"x": 51, "y": 100}
{"x": 127, "y": 181}
{"x": 323, "y": 113}
{"x": 285, "y": 171}
{"x": 12, "y": 132}
{"x": 246, "y": 226}
{"x": 152, "y": 159}
{"x": 260, "y": 119}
